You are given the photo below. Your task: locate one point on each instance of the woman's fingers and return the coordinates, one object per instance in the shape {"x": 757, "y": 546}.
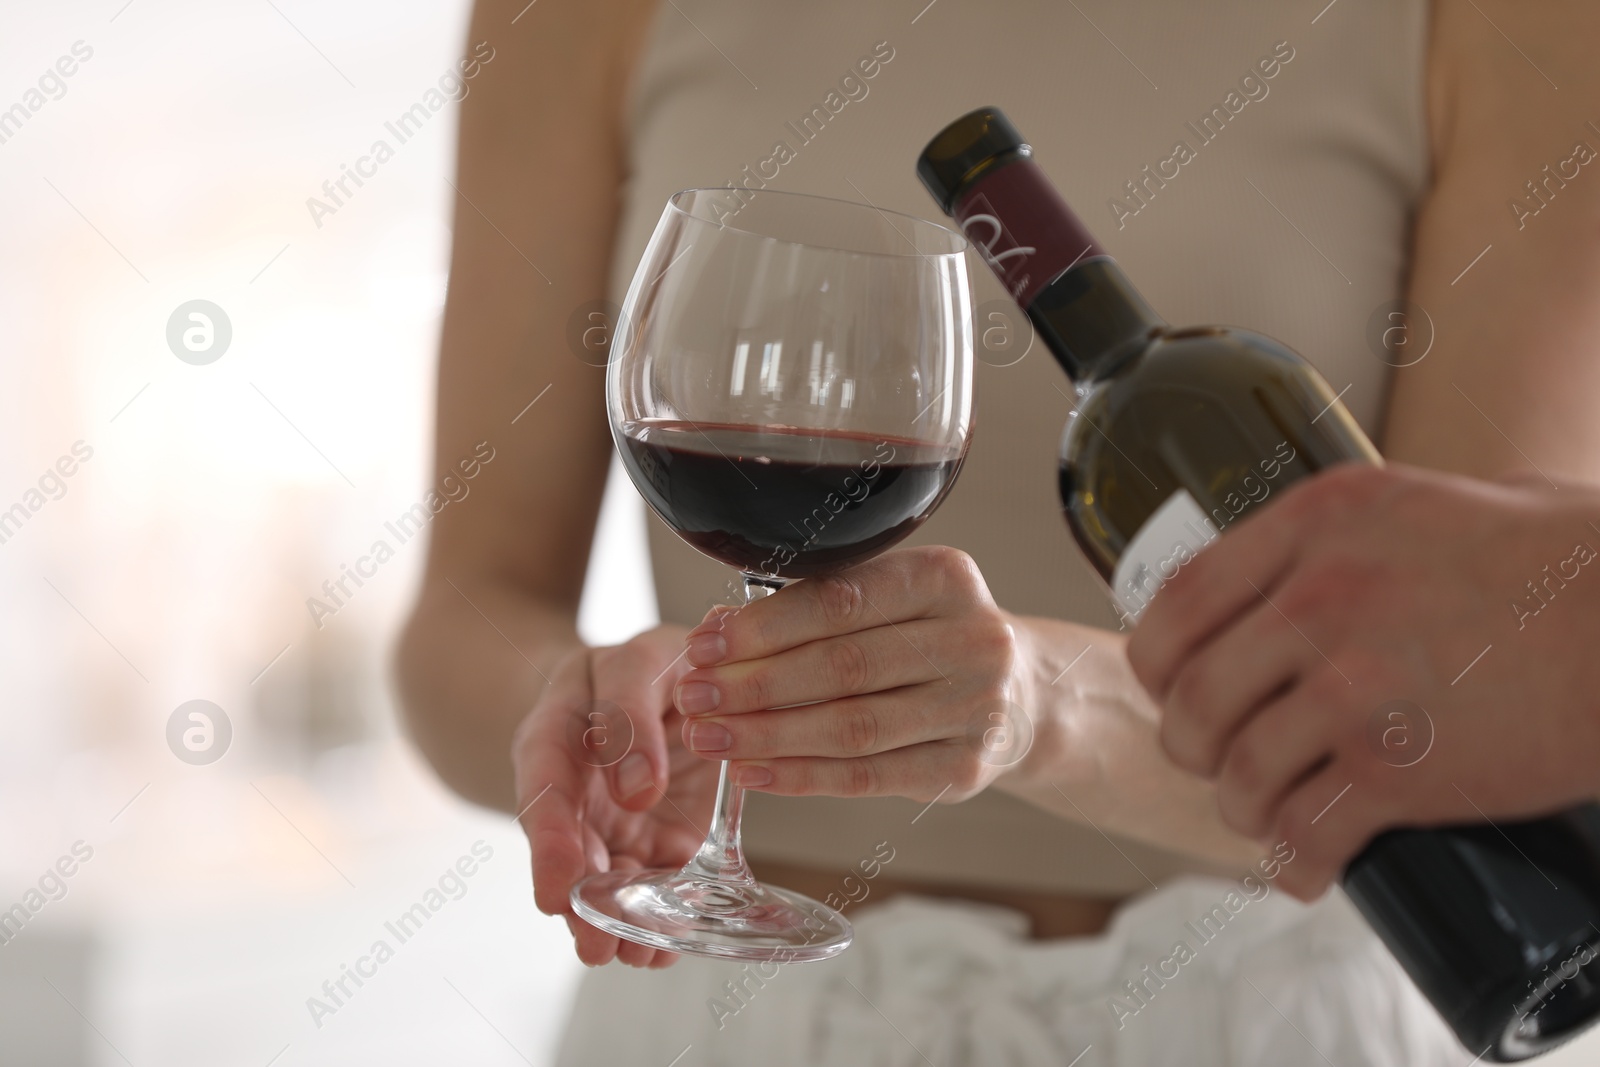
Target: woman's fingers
{"x": 593, "y": 946}
{"x": 899, "y": 585}
{"x": 840, "y": 729}
{"x": 550, "y": 787}
{"x": 576, "y": 799}
{"x": 946, "y": 770}
{"x": 632, "y": 683}
{"x": 891, "y": 679}
{"x": 868, "y": 661}
{"x": 596, "y": 948}
{"x": 631, "y": 952}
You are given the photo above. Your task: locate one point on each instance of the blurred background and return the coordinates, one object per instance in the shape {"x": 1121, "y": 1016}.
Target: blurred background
{"x": 233, "y": 871}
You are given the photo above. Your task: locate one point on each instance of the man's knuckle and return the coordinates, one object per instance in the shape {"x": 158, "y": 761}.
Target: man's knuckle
{"x": 1235, "y": 814}
{"x": 1355, "y": 576}
{"x": 1180, "y": 597}
{"x": 1310, "y": 593}
{"x": 1337, "y": 493}
{"x": 1181, "y": 740}
{"x": 1246, "y": 767}
{"x": 1367, "y": 671}
{"x": 1295, "y": 819}
{"x": 1242, "y": 803}
{"x": 1192, "y": 694}
{"x": 1147, "y": 662}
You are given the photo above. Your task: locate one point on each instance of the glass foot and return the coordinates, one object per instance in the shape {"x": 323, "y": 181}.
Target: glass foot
{"x": 679, "y": 912}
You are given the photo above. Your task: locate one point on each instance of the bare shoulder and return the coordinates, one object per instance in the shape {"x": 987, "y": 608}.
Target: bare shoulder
{"x": 542, "y": 162}
{"x": 578, "y": 50}
{"x": 1509, "y": 80}
{"x": 1503, "y": 256}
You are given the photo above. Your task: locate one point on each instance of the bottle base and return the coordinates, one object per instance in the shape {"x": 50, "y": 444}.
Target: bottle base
{"x": 1560, "y": 1008}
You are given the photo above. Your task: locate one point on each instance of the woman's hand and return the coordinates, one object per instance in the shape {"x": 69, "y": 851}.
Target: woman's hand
{"x": 1384, "y": 647}
{"x": 600, "y": 787}
{"x": 912, "y": 680}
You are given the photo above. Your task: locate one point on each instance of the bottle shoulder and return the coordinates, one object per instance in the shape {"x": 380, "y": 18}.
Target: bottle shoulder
{"x": 1223, "y": 362}
{"x": 1199, "y": 352}
{"x": 1187, "y": 389}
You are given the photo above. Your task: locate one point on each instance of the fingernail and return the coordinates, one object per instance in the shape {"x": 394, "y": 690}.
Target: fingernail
{"x": 696, "y": 698}
{"x": 714, "y": 616}
{"x": 707, "y": 650}
{"x": 633, "y": 774}
{"x": 751, "y": 777}
{"x": 709, "y": 737}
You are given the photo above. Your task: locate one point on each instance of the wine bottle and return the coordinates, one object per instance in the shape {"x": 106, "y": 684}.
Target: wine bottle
{"x": 1178, "y": 434}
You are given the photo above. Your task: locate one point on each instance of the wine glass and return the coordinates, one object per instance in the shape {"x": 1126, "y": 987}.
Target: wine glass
{"x": 790, "y": 388}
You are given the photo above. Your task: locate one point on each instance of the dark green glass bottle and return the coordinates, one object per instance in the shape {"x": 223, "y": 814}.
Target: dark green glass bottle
{"x": 1177, "y": 434}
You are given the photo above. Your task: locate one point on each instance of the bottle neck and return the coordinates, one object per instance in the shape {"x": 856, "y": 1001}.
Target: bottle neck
{"x": 1082, "y": 305}
{"x": 1092, "y": 319}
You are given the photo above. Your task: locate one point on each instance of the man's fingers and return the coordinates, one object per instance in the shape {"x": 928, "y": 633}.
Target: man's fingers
{"x": 1224, "y": 681}
{"x": 1327, "y": 819}
{"x": 896, "y": 586}
{"x": 1280, "y": 745}
{"x": 1229, "y": 577}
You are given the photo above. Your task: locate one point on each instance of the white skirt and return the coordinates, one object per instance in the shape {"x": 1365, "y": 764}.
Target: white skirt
{"x": 1192, "y": 975}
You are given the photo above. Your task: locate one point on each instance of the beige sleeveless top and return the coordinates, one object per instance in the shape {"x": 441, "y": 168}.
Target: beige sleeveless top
{"x": 1288, "y": 212}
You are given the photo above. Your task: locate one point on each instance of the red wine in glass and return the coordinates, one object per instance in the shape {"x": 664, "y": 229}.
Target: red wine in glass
{"x": 787, "y": 502}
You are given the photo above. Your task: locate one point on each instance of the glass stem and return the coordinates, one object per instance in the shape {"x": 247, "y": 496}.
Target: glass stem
{"x": 721, "y": 856}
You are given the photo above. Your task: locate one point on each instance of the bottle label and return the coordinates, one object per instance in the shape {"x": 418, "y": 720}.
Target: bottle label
{"x": 1172, "y": 536}
{"x": 1024, "y": 230}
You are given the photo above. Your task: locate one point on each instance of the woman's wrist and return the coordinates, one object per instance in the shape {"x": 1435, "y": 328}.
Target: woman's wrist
{"x": 1094, "y": 758}
{"x": 1055, "y": 662}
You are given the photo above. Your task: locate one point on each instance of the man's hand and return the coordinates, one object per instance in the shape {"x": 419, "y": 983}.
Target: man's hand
{"x": 1384, "y": 647}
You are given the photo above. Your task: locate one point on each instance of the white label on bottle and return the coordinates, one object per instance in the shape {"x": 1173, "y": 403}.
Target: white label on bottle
{"x": 1172, "y": 536}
